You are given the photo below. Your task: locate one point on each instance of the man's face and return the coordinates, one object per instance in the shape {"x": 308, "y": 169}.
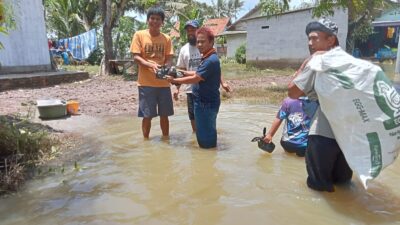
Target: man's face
{"x": 320, "y": 41}
{"x": 191, "y": 35}
{"x": 154, "y": 22}
{"x": 203, "y": 44}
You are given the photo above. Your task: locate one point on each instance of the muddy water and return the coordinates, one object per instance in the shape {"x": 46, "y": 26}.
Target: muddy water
{"x": 131, "y": 181}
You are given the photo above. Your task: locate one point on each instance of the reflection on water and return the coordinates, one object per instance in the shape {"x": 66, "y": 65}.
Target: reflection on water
{"x": 132, "y": 181}
{"x": 388, "y": 68}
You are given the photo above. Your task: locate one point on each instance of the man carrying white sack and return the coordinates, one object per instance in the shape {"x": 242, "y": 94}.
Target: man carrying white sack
{"x": 326, "y": 164}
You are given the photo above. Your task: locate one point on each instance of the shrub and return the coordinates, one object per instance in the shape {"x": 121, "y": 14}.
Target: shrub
{"x": 22, "y": 145}
{"x": 95, "y": 57}
{"x": 240, "y": 54}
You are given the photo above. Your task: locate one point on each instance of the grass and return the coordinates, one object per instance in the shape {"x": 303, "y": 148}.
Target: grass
{"x": 259, "y": 95}
{"x": 232, "y": 70}
{"x": 254, "y": 95}
{"x": 23, "y": 145}
{"x": 92, "y": 70}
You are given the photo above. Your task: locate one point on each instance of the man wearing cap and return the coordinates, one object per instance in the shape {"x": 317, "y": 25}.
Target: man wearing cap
{"x": 189, "y": 59}
{"x": 326, "y": 164}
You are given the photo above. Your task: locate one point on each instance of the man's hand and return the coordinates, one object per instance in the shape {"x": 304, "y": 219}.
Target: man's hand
{"x": 268, "y": 138}
{"x": 170, "y": 79}
{"x": 176, "y": 94}
{"x": 226, "y": 87}
{"x": 153, "y": 66}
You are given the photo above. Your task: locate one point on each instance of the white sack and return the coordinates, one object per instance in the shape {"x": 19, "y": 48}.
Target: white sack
{"x": 363, "y": 109}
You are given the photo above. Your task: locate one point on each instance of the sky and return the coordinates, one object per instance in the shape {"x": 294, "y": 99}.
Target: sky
{"x": 248, "y": 5}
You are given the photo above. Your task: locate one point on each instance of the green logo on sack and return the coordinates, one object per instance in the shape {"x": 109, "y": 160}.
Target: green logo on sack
{"x": 376, "y": 153}
{"x": 342, "y": 78}
{"x": 387, "y": 99}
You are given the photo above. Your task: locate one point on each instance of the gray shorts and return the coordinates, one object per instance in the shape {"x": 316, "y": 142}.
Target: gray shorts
{"x": 155, "y": 101}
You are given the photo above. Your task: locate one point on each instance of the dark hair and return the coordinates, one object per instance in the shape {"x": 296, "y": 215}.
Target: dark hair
{"x": 206, "y": 31}
{"x": 156, "y": 11}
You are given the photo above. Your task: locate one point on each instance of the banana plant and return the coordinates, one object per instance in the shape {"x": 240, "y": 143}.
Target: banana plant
{"x": 7, "y": 19}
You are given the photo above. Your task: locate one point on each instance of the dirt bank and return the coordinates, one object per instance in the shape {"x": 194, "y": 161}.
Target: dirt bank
{"x": 105, "y": 95}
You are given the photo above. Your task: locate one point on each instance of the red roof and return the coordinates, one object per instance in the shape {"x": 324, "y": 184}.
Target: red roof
{"x": 217, "y": 26}
{"x": 173, "y": 32}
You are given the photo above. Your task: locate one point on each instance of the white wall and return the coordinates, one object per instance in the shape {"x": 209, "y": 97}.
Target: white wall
{"x": 285, "y": 39}
{"x": 233, "y": 41}
{"x": 26, "y": 47}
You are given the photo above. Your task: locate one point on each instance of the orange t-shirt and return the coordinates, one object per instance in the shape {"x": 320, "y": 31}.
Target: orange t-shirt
{"x": 153, "y": 49}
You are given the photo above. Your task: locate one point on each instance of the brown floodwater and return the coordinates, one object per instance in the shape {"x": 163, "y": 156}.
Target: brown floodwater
{"x": 127, "y": 180}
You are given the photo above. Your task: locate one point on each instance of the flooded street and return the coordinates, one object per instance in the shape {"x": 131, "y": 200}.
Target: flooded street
{"x": 128, "y": 180}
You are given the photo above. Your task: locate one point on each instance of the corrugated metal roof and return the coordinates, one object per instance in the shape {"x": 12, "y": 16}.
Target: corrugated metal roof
{"x": 388, "y": 18}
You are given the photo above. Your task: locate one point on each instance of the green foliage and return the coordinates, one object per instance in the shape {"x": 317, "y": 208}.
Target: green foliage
{"x": 68, "y": 18}
{"x": 123, "y": 34}
{"x": 240, "y": 54}
{"x": 363, "y": 32}
{"x": 7, "y": 19}
{"x": 95, "y": 56}
{"x": 227, "y": 8}
{"x": 22, "y": 145}
{"x": 361, "y": 13}
{"x": 185, "y": 16}
{"x": 273, "y": 7}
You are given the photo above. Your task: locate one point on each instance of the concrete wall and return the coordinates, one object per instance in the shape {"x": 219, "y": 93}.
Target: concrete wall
{"x": 281, "y": 41}
{"x": 233, "y": 41}
{"x": 25, "y": 48}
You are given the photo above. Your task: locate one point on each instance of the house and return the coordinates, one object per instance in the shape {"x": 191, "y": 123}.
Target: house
{"x": 236, "y": 33}
{"x": 280, "y": 40}
{"x": 217, "y": 26}
{"x": 383, "y": 42}
{"x": 26, "y": 48}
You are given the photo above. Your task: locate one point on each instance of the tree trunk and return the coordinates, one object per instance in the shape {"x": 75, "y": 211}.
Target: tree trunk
{"x": 107, "y": 35}
{"x": 117, "y": 54}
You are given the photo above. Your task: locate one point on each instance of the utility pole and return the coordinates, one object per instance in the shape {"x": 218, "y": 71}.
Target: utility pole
{"x": 397, "y": 68}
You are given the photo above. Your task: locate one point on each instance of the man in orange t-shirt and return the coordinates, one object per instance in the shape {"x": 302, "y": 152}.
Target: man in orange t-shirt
{"x": 152, "y": 49}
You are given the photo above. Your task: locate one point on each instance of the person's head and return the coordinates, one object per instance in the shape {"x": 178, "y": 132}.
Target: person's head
{"x": 205, "y": 39}
{"x": 322, "y": 35}
{"x": 155, "y": 17}
{"x": 191, "y": 28}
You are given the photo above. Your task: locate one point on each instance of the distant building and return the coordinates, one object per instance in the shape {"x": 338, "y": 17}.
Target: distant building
{"x": 26, "y": 48}
{"x": 383, "y": 42}
{"x": 278, "y": 41}
{"x": 236, "y": 34}
{"x": 217, "y": 26}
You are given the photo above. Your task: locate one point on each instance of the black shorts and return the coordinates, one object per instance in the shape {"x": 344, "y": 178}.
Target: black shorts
{"x": 326, "y": 164}
{"x": 292, "y": 148}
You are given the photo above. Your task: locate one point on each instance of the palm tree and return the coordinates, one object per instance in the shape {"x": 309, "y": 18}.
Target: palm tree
{"x": 61, "y": 18}
{"x": 67, "y": 18}
{"x": 227, "y": 8}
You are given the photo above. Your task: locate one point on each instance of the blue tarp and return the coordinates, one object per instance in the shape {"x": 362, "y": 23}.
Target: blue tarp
{"x": 82, "y": 45}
